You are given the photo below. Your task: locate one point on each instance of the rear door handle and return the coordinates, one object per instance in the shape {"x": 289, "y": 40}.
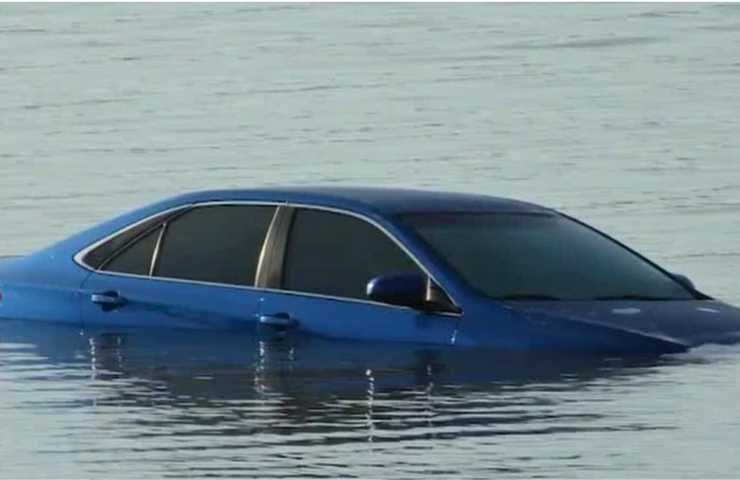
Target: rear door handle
{"x": 280, "y": 321}
{"x": 108, "y": 300}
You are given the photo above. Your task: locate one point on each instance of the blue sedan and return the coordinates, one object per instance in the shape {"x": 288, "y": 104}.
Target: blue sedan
{"x": 370, "y": 264}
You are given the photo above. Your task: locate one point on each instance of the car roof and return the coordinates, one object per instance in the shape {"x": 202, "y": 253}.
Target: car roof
{"x": 381, "y": 200}
{"x": 376, "y": 202}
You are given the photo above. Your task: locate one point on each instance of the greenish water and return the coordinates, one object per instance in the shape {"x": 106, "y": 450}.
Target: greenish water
{"x": 622, "y": 115}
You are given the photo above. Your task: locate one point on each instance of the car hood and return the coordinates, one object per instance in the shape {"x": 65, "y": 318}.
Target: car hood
{"x": 691, "y": 323}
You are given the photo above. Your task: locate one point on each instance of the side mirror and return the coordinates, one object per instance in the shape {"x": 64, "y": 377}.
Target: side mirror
{"x": 410, "y": 290}
{"x": 407, "y": 289}
{"x": 684, "y": 280}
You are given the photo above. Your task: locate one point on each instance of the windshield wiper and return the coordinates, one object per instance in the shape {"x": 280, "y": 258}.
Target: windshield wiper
{"x": 528, "y": 296}
{"x": 634, "y": 296}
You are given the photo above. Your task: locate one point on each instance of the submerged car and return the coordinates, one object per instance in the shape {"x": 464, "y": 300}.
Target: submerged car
{"x": 372, "y": 264}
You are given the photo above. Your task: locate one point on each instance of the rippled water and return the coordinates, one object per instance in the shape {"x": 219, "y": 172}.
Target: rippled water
{"x": 623, "y": 115}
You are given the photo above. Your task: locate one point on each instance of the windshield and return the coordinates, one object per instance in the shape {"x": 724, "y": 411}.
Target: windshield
{"x": 541, "y": 256}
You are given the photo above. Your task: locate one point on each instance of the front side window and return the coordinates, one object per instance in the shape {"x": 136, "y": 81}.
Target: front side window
{"x": 219, "y": 244}
{"x": 541, "y": 257}
{"x": 337, "y": 255}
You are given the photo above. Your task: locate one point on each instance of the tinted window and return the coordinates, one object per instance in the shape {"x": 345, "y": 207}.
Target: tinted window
{"x": 102, "y": 253}
{"x": 218, "y": 244}
{"x": 335, "y": 254}
{"x": 137, "y": 258}
{"x": 541, "y": 256}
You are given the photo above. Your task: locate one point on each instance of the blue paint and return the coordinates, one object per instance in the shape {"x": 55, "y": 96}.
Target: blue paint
{"x": 50, "y": 286}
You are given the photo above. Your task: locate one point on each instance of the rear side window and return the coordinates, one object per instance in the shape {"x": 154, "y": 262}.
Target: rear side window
{"x": 100, "y": 255}
{"x": 335, "y": 254}
{"x": 137, "y": 258}
{"x": 219, "y": 244}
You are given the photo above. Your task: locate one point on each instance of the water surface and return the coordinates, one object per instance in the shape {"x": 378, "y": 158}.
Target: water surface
{"x": 622, "y": 115}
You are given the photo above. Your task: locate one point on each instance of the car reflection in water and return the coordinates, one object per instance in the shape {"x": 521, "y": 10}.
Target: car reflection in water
{"x": 240, "y": 383}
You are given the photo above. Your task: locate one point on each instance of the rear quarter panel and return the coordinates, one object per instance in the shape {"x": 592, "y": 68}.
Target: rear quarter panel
{"x": 41, "y": 287}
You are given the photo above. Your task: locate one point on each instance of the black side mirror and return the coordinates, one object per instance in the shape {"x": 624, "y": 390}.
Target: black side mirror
{"x": 684, "y": 281}
{"x": 407, "y": 289}
{"x": 410, "y": 290}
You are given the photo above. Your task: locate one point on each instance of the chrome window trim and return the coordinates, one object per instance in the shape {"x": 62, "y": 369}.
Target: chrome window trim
{"x": 264, "y": 255}
{"x": 267, "y": 265}
{"x": 158, "y": 247}
{"x": 277, "y": 204}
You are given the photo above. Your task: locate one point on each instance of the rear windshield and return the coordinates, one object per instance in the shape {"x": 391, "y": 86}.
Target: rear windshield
{"x": 542, "y": 256}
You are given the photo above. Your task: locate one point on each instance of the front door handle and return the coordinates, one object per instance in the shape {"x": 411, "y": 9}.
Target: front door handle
{"x": 108, "y": 300}
{"x": 279, "y": 321}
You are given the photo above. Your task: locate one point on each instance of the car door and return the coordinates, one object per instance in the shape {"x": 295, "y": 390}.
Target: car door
{"x": 194, "y": 269}
{"x": 321, "y": 267}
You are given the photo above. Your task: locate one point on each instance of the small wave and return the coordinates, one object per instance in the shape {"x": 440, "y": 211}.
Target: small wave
{"x": 591, "y": 43}
{"x": 664, "y": 13}
{"x": 22, "y": 30}
{"x": 733, "y": 27}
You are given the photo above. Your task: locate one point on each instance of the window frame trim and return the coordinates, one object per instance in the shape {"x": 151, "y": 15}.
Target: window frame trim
{"x": 272, "y": 252}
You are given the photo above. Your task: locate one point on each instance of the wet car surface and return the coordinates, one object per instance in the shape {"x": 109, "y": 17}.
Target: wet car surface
{"x": 395, "y": 265}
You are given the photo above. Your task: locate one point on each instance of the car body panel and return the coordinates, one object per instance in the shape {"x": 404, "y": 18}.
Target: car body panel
{"x": 343, "y": 318}
{"x": 168, "y": 303}
{"x": 691, "y": 322}
{"x": 41, "y": 288}
{"x": 55, "y": 285}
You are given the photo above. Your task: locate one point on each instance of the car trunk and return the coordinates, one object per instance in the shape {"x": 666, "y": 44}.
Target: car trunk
{"x": 5, "y": 262}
